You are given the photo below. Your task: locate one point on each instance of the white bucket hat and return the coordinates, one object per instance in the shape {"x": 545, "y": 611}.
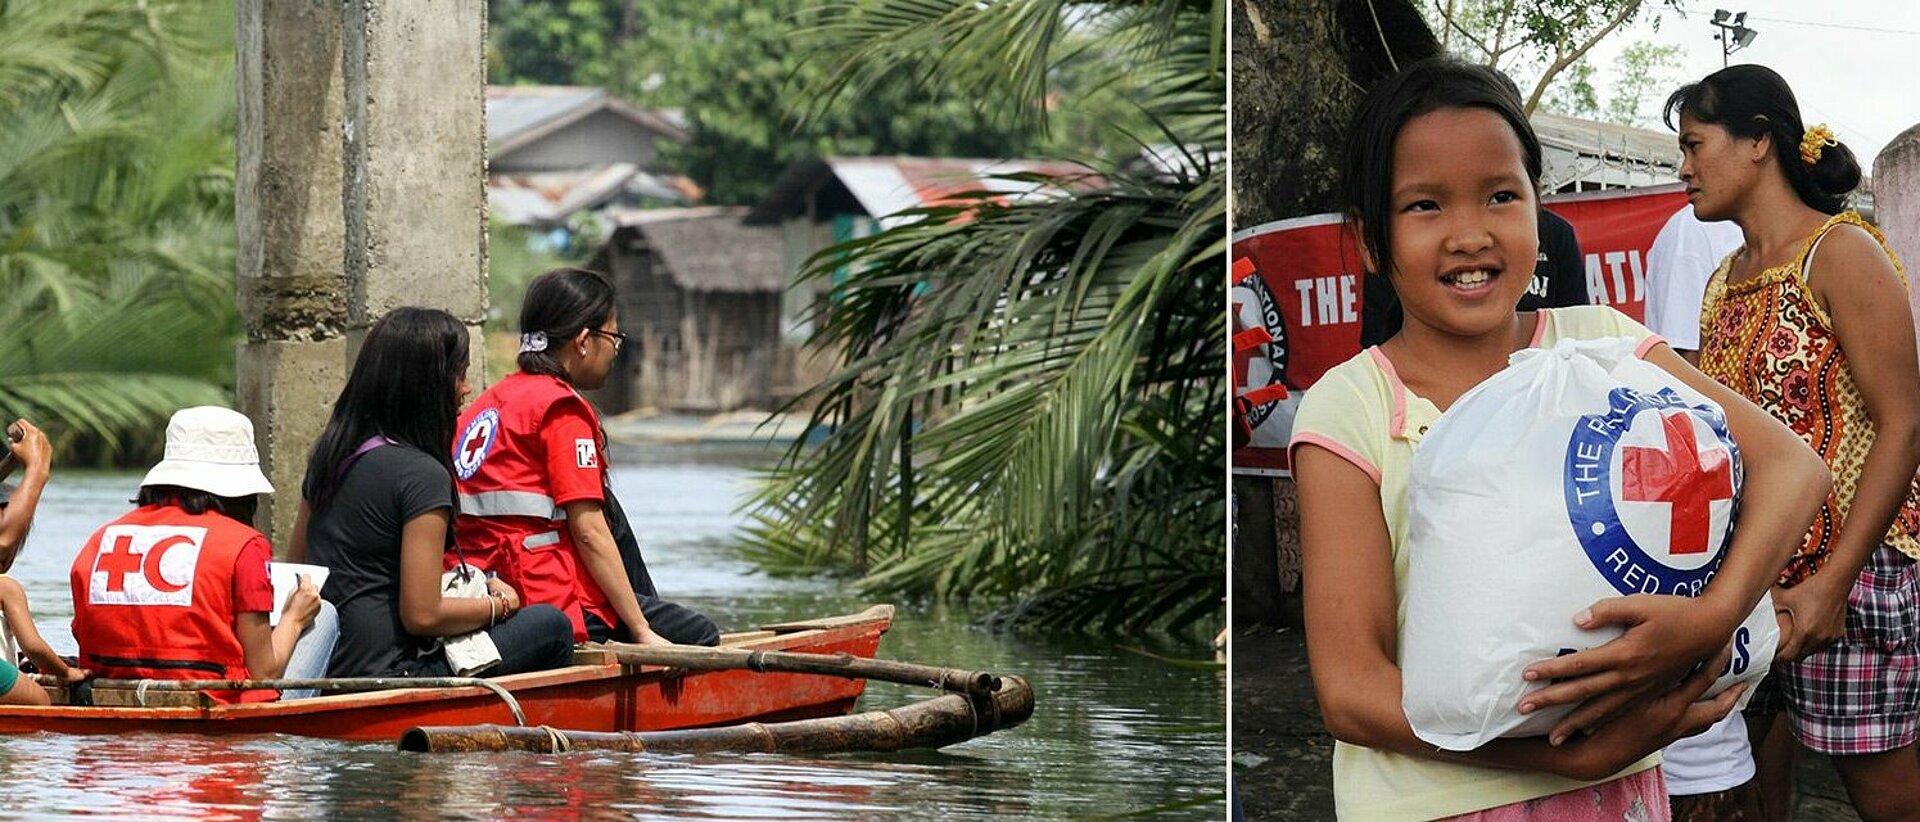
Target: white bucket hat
{"x": 211, "y": 449}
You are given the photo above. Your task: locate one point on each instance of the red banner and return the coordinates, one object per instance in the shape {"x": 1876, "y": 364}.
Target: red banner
{"x": 1295, "y": 300}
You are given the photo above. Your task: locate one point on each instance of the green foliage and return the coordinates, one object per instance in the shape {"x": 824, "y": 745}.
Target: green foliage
{"x": 1537, "y": 41}
{"x": 116, "y": 216}
{"x": 739, "y": 70}
{"x": 515, "y": 256}
{"x": 554, "y": 42}
{"x": 1029, "y": 401}
{"x": 1645, "y": 71}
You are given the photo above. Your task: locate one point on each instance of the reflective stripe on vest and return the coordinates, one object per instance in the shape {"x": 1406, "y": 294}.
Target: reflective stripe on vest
{"x": 510, "y": 504}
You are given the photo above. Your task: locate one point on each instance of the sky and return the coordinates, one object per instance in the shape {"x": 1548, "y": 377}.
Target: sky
{"x": 1853, "y": 64}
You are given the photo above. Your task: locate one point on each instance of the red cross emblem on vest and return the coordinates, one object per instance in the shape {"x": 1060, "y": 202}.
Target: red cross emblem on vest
{"x": 146, "y": 565}
{"x": 1679, "y": 475}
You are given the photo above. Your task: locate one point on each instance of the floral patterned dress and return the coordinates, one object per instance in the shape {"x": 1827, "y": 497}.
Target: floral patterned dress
{"x": 1769, "y": 339}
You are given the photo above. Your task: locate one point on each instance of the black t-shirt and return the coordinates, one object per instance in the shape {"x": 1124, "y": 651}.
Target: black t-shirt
{"x": 357, "y": 536}
{"x": 1560, "y": 274}
{"x": 1559, "y": 280}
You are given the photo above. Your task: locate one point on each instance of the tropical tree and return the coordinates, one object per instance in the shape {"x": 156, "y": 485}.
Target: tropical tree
{"x": 116, "y": 227}
{"x": 1029, "y": 402}
{"x": 1536, "y": 38}
{"x": 733, "y": 67}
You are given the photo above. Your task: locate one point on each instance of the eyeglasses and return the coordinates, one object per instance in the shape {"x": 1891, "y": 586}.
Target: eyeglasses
{"x": 618, "y": 338}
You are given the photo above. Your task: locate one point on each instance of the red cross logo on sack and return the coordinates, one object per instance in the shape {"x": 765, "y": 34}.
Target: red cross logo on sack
{"x": 1682, "y": 476}
{"x": 146, "y": 565}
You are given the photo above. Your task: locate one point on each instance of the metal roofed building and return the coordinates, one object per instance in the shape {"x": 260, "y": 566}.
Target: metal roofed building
{"x": 554, "y": 151}
{"x": 1588, "y": 155}
{"x": 822, "y": 201}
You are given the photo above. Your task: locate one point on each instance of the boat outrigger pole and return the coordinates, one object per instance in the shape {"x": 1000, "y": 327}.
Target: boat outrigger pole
{"x": 140, "y": 687}
{"x": 693, "y": 658}
{"x": 931, "y": 723}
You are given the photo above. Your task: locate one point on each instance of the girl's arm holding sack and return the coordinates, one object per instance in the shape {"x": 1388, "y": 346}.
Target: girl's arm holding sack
{"x": 1351, "y": 644}
{"x": 1666, "y": 636}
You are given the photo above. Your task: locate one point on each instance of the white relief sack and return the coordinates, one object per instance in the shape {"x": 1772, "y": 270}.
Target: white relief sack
{"x": 1578, "y": 473}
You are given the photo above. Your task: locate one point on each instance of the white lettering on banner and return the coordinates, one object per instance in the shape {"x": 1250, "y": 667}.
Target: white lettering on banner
{"x": 146, "y": 565}
{"x": 1629, "y": 277}
{"x": 1329, "y": 300}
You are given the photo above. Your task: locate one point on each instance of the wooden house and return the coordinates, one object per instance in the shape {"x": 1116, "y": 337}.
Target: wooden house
{"x": 700, "y": 302}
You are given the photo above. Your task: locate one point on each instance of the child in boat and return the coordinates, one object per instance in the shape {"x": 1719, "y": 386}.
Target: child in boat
{"x": 178, "y": 588}
{"x": 1810, "y": 321}
{"x": 24, "y": 640}
{"x": 18, "y": 634}
{"x": 377, "y": 509}
{"x": 1441, "y": 179}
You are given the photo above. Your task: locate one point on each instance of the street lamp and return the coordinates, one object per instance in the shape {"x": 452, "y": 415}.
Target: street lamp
{"x": 1734, "y": 34}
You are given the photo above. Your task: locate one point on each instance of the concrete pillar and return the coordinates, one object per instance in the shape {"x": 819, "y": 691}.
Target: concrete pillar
{"x": 290, "y": 286}
{"x": 415, "y": 161}
{"x": 1896, "y": 204}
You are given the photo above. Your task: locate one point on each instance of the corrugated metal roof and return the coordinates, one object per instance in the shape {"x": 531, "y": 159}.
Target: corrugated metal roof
{"x": 1604, "y": 153}
{"x": 549, "y": 198}
{"x": 884, "y": 186}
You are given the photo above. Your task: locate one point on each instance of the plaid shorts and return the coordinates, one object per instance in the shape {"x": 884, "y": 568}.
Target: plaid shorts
{"x": 1862, "y": 695}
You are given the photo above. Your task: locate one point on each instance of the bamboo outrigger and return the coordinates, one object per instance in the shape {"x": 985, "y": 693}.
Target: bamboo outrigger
{"x": 932, "y": 723}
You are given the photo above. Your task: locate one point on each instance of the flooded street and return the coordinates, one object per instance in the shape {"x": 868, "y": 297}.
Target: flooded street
{"x": 1114, "y": 732}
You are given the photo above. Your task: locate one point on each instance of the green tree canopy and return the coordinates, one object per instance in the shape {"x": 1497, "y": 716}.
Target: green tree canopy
{"x": 116, "y": 216}
{"x": 738, "y": 69}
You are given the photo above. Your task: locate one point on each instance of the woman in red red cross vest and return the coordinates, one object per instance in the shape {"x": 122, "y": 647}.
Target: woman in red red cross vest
{"x": 178, "y": 588}
{"x": 530, "y": 457}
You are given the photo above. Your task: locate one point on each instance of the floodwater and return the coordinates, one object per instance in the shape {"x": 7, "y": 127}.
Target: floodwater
{"x": 1114, "y": 732}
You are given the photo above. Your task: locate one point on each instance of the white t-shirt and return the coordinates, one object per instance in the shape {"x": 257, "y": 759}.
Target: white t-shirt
{"x": 1682, "y": 259}
{"x": 1715, "y": 759}
{"x": 1684, "y": 255}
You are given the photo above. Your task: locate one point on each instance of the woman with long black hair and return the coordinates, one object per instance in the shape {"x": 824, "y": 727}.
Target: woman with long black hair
{"x": 1809, "y": 320}
{"x": 377, "y": 508}
{"x": 535, "y": 504}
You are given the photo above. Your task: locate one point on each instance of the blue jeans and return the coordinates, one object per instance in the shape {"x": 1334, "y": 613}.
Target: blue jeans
{"x": 311, "y": 652}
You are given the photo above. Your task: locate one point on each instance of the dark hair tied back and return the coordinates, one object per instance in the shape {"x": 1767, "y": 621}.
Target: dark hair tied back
{"x": 562, "y": 303}
{"x": 1750, "y": 101}
{"x": 1430, "y": 85}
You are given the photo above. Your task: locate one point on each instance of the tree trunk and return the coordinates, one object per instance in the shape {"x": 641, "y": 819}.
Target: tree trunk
{"x": 1299, "y": 70}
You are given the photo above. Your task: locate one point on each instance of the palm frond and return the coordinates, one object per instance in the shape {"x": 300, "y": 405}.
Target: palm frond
{"x": 116, "y": 226}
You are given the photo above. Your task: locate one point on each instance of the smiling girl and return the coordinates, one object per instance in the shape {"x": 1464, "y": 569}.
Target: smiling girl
{"x": 1441, "y": 179}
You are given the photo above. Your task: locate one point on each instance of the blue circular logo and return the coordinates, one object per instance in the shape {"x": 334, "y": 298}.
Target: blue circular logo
{"x": 475, "y": 442}
{"x": 1652, "y": 490}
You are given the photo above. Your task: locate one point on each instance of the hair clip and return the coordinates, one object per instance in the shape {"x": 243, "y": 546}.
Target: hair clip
{"x": 533, "y": 341}
{"x": 1814, "y": 142}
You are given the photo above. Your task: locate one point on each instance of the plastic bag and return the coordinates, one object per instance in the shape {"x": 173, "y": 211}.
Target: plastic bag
{"x": 1578, "y": 473}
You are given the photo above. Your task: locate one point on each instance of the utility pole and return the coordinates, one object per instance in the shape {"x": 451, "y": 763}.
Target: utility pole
{"x": 1733, "y": 35}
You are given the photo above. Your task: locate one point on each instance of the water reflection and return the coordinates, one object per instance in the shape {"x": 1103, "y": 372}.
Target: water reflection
{"x": 1106, "y": 737}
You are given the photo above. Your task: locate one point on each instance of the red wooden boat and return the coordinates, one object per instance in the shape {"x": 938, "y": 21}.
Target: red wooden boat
{"x": 595, "y": 694}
